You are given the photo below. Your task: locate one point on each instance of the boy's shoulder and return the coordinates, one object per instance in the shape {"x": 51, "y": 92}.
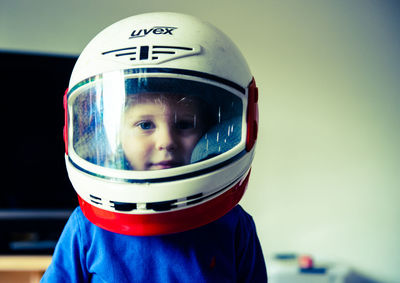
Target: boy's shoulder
{"x": 78, "y": 216}
{"x": 235, "y": 220}
{"x": 239, "y": 215}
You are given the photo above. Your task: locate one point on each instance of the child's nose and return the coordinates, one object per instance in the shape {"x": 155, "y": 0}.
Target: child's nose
{"x": 166, "y": 139}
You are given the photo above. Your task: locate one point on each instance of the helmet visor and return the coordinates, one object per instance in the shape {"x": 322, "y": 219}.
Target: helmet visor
{"x": 126, "y": 121}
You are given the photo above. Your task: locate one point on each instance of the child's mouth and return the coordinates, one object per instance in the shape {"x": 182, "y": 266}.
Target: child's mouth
{"x": 164, "y": 165}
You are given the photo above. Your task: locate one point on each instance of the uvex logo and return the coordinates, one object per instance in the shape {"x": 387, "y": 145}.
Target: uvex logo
{"x": 153, "y": 30}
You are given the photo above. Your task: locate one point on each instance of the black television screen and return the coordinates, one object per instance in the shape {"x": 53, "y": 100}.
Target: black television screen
{"x": 36, "y": 193}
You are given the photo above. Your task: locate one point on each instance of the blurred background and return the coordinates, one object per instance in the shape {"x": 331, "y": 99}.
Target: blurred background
{"x": 326, "y": 177}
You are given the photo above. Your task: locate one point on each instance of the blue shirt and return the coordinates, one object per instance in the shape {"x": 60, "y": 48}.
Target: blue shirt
{"x": 226, "y": 250}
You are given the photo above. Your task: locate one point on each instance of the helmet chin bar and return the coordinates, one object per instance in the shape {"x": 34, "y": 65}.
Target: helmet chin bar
{"x": 166, "y": 222}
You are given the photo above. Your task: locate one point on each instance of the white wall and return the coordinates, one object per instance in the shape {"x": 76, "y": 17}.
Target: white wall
{"x": 326, "y": 178}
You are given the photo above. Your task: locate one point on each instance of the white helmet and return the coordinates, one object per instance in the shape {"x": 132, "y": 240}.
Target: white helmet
{"x": 161, "y": 121}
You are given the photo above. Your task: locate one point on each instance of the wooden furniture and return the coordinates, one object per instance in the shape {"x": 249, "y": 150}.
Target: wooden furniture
{"x": 23, "y": 269}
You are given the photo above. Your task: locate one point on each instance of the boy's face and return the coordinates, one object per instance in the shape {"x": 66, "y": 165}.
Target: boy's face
{"x": 161, "y": 133}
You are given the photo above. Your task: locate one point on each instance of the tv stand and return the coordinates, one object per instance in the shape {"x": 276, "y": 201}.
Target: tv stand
{"x": 23, "y": 269}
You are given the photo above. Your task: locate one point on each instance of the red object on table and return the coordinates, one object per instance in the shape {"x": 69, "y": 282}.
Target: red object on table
{"x": 306, "y": 262}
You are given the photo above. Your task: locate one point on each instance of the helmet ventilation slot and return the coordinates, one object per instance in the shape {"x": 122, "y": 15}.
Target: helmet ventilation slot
{"x": 153, "y": 53}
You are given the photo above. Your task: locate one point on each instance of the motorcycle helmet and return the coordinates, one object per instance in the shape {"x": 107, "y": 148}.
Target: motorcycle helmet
{"x": 160, "y": 125}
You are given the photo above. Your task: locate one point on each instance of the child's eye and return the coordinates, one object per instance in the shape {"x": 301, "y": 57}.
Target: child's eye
{"x": 146, "y": 125}
{"x": 184, "y": 125}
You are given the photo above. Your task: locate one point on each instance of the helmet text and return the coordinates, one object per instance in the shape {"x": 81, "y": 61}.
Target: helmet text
{"x": 153, "y": 30}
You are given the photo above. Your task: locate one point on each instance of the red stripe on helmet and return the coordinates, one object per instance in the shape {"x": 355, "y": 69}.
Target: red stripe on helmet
{"x": 252, "y": 116}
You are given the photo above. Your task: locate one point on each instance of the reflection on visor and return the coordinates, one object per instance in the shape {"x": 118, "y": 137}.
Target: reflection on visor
{"x": 153, "y": 123}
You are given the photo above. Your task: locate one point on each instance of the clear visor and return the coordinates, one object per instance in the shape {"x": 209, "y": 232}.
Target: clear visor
{"x": 129, "y": 122}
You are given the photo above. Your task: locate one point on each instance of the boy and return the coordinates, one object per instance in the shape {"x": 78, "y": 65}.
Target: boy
{"x": 161, "y": 123}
